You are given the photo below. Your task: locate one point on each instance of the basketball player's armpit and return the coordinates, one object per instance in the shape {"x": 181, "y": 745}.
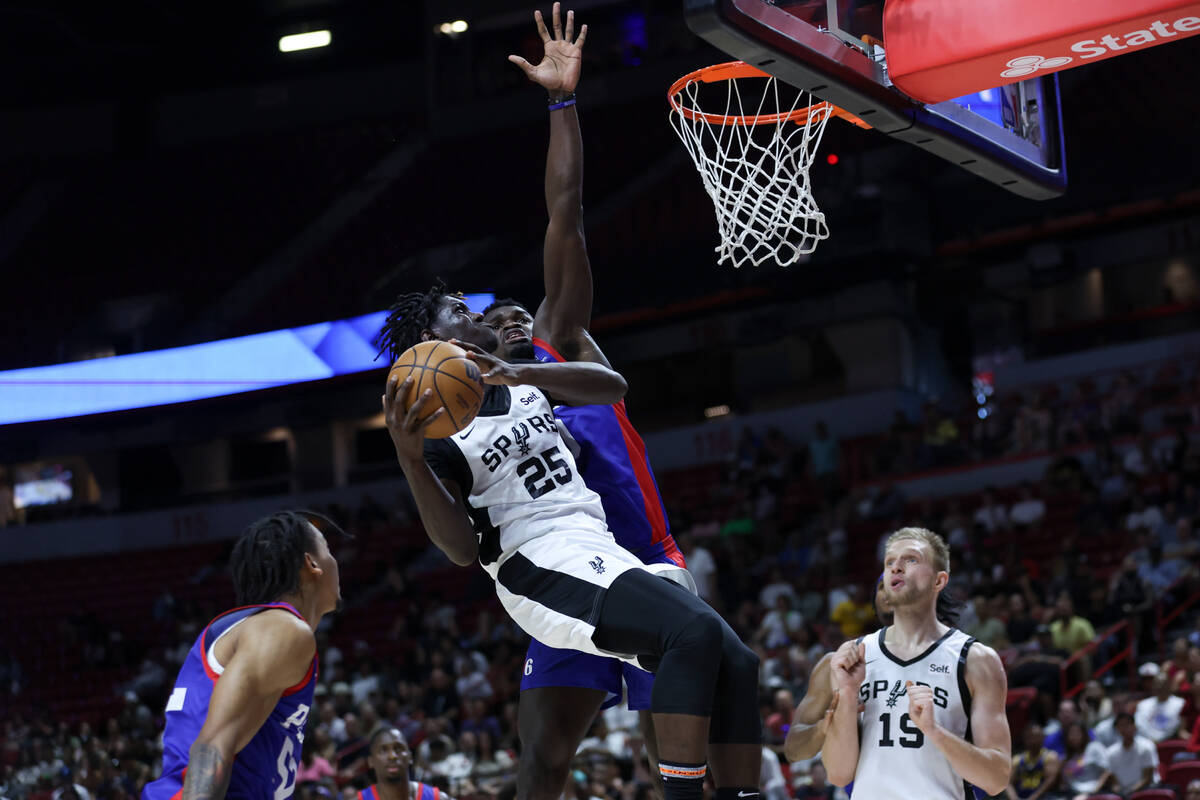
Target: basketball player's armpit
{"x": 208, "y": 772}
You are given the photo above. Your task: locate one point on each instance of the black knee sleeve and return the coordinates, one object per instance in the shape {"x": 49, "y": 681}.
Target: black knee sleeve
{"x": 735, "y": 717}
{"x": 669, "y": 629}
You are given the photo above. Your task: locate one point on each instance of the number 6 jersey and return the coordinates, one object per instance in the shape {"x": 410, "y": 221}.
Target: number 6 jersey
{"x": 895, "y": 762}
{"x": 517, "y": 474}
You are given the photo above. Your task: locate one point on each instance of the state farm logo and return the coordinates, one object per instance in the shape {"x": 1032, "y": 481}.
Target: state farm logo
{"x": 1110, "y": 44}
{"x": 1027, "y": 65}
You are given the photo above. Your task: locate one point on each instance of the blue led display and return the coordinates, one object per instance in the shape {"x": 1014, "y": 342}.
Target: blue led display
{"x": 195, "y": 372}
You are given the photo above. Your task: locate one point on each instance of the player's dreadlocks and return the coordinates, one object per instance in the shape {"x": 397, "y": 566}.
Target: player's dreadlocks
{"x": 267, "y": 557}
{"x": 948, "y": 609}
{"x": 502, "y": 302}
{"x": 412, "y": 313}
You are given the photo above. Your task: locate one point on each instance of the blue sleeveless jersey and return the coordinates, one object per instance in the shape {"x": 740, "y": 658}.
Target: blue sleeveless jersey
{"x": 265, "y": 769}
{"x": 613, "y": 462}
{"x": 416, "y": 791}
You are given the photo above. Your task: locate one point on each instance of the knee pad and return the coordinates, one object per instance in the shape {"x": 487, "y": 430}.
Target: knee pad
{"x": 735, "y": 717}
{"x": 686, "y": 679}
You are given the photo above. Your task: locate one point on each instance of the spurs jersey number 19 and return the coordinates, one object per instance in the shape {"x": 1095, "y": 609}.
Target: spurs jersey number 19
{"x": 895, "y": 762}
{"x": 517, "y": 474}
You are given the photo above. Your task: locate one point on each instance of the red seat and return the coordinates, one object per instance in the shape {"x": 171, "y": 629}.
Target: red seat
{"x": 1167, "y": 750}
{"x": 1154, "y": 794}
{"x": 1180, "y": 774}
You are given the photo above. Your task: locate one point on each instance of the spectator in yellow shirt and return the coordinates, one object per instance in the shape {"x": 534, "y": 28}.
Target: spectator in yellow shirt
{"x": 853, "y": 614}
{"x": 1072, "y": 633}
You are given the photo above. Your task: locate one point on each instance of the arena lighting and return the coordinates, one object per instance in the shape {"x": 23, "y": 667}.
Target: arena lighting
{"x": 198, "y": 371}
{"x": 304, "y": 41}
{"x": 712, "y": 412}
{"x": 457, "y": 26}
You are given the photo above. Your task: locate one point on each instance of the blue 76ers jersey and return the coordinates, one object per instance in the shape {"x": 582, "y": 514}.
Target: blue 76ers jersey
{"x": 265, "y": 769}
{"x": 416, "y": 791}
{"x": 613, "y": 463}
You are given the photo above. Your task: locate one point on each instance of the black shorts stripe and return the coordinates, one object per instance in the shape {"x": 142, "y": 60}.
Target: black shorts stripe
{"x": 557, "y": 591}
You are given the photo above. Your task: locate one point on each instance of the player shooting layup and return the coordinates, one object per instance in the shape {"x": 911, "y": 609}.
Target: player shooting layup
{"x": 562, "y": 690}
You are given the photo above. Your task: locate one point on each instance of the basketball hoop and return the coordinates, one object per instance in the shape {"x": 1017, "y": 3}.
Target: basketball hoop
{"x": 755, "y": 165}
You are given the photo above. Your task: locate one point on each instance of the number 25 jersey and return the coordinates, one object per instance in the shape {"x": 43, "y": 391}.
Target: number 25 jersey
{"x": 517, "y": 474}
{"x": 895, "y": 761}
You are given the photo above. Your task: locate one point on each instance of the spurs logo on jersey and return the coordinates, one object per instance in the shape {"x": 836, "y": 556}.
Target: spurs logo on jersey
{"x": 516, "y": 441}
{"x": 895, "y": 762}
{"x": 517, "y": 474}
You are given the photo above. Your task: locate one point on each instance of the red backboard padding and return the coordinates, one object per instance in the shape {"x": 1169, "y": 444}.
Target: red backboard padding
{"x": 941, "y": 49}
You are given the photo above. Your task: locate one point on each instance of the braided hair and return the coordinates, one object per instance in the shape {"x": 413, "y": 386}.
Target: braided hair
{"x": 412, "y": 313}
{"x": 268, "y": 556}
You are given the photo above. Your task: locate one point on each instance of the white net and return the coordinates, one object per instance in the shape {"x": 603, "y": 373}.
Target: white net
{"x": 756, "y": 172}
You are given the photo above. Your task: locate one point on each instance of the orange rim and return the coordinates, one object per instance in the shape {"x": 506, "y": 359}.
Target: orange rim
{"x": 732, "y": 70}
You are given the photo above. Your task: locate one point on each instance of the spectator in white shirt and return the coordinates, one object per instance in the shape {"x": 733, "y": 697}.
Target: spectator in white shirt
{"x": 1143, "y": 516}
{"x": 1157, "y": 716}
{"x": 991, "y": 515}
{"x": 1133, "y": 760}
{"x": 776, "y": 588}
{"x": 780, "y": 623}
{"x": 703, "y": 567}
{"x": 1028, "y": 509}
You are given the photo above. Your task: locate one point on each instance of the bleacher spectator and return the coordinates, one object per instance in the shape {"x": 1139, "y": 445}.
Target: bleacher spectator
{"x": 1159, "y": 573}
{"x": 989, "y": 628}
{"x": 1157, "y": 716}
{"x": 1143, "y": 517}
{"x": 775, "y": 588}
{"x": 1028, "y": 510}
{"x": 1034, "y": 768}
{"x": 780, "y": 625}
{"x": 1021, "y": 624}
{"x": 1133, "y": 760}
{"x": 1096, "y": 705}
{"x": 1084, "y": 762}
{"x": 853, "y": 614}
{"x": 1070, "y": 631}
{"x": 824, "y": 461}
{"x": 991, "y": 515}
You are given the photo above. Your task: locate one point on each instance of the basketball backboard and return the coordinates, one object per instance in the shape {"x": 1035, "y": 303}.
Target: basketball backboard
{"x": 1011, "y": 136}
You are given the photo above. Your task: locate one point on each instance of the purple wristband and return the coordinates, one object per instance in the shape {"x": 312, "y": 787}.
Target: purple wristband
{"x": 570, "y": 101}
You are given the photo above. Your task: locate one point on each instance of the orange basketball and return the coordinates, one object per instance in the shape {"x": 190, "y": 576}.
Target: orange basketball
{"x": 455, "y": 380}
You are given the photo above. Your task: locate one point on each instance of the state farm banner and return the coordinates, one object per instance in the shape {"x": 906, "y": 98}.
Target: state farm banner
{"x": 941, "y": 49}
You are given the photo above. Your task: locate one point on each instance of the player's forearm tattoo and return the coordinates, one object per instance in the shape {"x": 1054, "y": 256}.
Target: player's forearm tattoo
{"x": 207, "y": 773}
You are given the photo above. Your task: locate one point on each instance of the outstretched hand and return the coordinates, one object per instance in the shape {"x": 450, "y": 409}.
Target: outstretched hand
{"x": 493, "y": 370}
{"x": 558, "y": 71}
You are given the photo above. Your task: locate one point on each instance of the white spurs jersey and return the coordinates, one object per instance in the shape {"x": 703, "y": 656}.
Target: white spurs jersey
{"x": 895, "y": 762}
{"x": 517, "y": 474}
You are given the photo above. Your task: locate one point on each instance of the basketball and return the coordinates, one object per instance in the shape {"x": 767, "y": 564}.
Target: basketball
{"x": 455, "y": 380}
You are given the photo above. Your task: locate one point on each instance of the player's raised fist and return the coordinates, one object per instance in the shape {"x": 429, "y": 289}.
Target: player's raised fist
{"x": 562, "y": 59}
{"x": 920, "y": 706}
{"x": 848, "y": 668}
